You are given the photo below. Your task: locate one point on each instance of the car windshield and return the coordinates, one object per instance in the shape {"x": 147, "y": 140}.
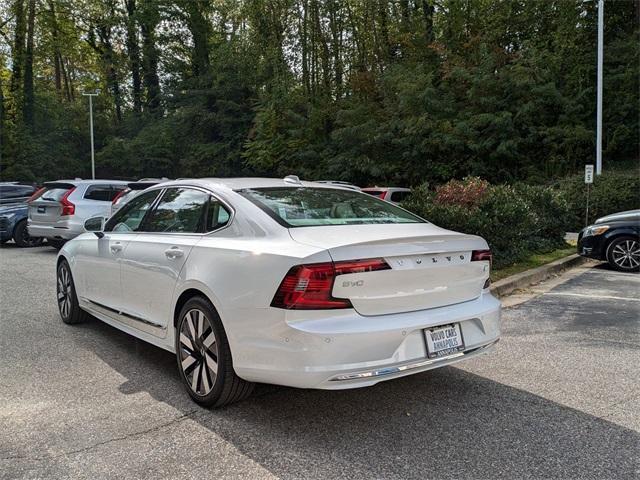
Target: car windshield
{"x": 308, "y": 206}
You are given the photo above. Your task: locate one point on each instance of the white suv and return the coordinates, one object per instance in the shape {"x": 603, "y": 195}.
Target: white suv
{"x": 59, "y": 209}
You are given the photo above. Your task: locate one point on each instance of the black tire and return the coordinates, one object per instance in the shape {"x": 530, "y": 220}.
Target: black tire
{"x": 68, "y": 306}
{"x": 23, "y": 239}
{"x": 205, "y": 361}
{"x": 623, "y": 254}
{"x": 55, "y": 243}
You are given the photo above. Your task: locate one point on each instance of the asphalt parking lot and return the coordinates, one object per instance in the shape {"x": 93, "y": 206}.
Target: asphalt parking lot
{"x": 560, "y": 398}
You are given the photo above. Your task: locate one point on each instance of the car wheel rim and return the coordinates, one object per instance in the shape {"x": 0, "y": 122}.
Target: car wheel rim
{"x": 64, "y": 292}
{"x": 198, "y": 352}
{"x": 626, "y": 254}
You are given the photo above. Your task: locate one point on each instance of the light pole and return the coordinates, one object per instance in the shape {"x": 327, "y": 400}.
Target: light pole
{"x": 599, "y": 100}
{"x": 93, "y": 160}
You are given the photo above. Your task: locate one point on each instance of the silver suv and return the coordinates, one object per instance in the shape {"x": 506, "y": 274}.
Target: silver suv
{"x": 58, "y": 210}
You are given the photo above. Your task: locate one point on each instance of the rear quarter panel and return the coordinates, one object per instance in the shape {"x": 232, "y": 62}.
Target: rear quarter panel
{"x": 241, "y": 275}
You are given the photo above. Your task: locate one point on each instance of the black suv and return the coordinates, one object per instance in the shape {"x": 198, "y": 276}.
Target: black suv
{"x": 614, "y": 238}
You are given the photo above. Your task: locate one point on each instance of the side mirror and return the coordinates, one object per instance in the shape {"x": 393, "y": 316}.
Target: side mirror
{"x": 95, "y": 225}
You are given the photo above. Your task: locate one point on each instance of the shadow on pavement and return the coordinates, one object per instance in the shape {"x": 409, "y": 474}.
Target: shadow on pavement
{"x": 447, "y": 423}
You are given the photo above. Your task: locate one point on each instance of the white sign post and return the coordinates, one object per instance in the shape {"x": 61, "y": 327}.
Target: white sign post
{"x": 588, "y": 179}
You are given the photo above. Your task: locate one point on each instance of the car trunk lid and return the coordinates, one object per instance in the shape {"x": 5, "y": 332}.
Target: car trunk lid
{"x": 430, "y": 266}
{"x": 46, "y": 208}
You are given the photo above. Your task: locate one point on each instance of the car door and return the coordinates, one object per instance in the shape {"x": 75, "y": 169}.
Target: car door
{"x": 98, "y": 260}
{"x": 155, "y": 257}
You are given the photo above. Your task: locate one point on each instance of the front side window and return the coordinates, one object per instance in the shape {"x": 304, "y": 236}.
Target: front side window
{"x": 180, "y": 210}
{"x": 308, "y": 206}
{"x": 129, "y": 218}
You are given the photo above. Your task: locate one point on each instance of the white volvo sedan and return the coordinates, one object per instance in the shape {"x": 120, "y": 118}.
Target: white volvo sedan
{"x": 280, "y": 281}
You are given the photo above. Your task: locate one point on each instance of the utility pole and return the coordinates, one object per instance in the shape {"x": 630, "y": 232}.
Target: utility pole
{"x": 599, "y": 106}
{"x": 93, "y": 158}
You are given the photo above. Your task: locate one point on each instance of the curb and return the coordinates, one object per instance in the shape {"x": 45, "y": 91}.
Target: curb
{"x": 535, "y": 275}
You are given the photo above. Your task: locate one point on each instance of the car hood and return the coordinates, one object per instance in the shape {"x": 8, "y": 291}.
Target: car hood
{"x": 629, "y": 216}
{"x": 14, "y": 208}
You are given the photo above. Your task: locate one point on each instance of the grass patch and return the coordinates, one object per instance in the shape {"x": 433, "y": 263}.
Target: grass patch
{"x": 533, "y": 261}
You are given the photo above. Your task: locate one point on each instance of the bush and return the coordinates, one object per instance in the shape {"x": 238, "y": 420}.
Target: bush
{"x": 516, "y": 221}
{"x": 611, "y": 192}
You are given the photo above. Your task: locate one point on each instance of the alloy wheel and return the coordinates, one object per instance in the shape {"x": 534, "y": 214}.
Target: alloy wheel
{"x": 64, "y": 291}
{"x": 198, "y": 352}
{"x": 626, "y": 254}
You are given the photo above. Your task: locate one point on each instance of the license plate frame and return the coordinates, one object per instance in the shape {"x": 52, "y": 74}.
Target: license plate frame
{"x": 443, "y": 344}
{"x": 42, "y": 209}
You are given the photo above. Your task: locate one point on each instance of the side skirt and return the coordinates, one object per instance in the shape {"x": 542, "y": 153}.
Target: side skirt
{"x": 136, "y": 323}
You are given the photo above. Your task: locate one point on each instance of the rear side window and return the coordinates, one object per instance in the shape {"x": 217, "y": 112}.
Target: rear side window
{"x": 15, "y": 191}
{"x": 180, "y": 210}
{"x": 102, "y": 193}
{"x": 217, "y": 215}
{"x": 308, "y": 206}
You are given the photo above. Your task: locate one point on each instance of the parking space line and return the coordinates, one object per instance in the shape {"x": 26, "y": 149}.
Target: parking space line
{"x": 584, "y": 295}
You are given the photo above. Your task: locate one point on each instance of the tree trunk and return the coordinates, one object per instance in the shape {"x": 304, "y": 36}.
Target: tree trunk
{"x": 335, "y": 26}
{"x": 133, "y": 51}
{"x": 57, "y": 57}
{"x": 17, "y": 62}
{"x": 199, "y": 28}
{"x": 148, "y": 21}
{"x": 427, "y": 13}
{"x": 305, "y": 47}
{"x": 28, "y": 67}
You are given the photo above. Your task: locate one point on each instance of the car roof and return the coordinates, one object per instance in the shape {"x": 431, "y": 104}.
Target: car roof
{"x": 240, "y": 183}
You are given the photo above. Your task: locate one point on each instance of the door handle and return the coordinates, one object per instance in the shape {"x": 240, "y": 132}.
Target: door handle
{"x": 115, "y": 248}
{"x": 173, "y": 252}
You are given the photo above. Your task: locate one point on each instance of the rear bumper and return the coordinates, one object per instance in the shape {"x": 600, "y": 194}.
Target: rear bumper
{"x": 347, "y": 350}
{"x": 65, "y": 230}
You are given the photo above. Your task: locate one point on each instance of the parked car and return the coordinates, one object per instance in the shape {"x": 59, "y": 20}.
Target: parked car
{"x": 281, "y": 281}
{"x": 58, "y": 210}
{"x": 132, "y": 190}
{"x": 13, "y": 225}
{"x": 614, "y": 238}
{"x": 390, "y": 194}
{"x": 15, "y": 192}
{"x": 338, "y": 183}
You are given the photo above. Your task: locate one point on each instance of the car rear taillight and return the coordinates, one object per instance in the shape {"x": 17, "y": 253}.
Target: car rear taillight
{"x": 309, "y": 287}
{"x": 116, "y": 199}
{"x": 36, "y": 194}
{"x": 478, "y": 256}
{"x": 68, "y": 208}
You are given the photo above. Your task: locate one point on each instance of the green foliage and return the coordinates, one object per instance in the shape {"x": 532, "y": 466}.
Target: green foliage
{"x": 611, "y": 192}
{"x": 516, "y": 221}
{"x": 378, "y": 91}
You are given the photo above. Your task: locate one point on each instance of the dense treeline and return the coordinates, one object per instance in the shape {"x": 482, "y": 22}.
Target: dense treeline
{"x": 400, "y": 91}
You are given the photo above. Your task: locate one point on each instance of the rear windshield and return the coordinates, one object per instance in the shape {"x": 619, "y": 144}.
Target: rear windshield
{"x": 54, "y": 194}
{"x": 375, "y": 193}
{"x": 308, "y": 207}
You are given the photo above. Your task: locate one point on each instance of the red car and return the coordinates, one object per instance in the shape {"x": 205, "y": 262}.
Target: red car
{"x": 390, "y": 194}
